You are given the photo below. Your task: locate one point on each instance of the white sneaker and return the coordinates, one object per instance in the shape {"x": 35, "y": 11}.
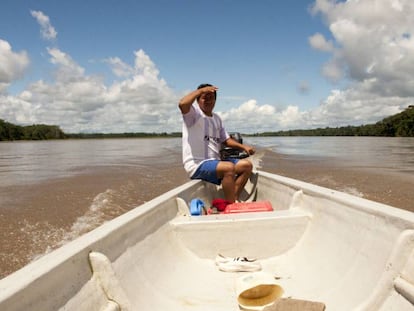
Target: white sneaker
{"x": 237, "y": 264}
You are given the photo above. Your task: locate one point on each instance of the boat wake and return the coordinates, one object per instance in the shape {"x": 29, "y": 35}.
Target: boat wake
{"x": 352, "y": 191}
{"x": 104, "y": 207}
{"x": 257, "y": 159}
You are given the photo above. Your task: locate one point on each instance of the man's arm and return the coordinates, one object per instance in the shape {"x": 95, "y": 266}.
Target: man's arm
{"x": 186, "y": 102}
{"x": 234, "y": 144}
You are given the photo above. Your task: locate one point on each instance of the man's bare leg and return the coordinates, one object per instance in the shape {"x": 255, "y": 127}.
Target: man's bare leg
{"x": 234, "y": 177}
{"x": 226, "y": 171}
{"x": 243, "y": 170}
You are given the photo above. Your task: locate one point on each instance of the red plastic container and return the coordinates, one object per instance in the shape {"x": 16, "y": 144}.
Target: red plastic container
{"x": 248, "y": 207}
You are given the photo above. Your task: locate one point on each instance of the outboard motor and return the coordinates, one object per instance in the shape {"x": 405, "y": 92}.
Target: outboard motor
{"x": 232, "y": 153}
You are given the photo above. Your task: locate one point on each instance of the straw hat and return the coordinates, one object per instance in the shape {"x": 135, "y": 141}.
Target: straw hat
{"x": 257, "y": 290}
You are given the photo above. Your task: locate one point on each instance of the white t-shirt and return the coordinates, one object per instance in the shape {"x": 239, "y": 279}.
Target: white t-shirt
{"x": 202, "y": 138}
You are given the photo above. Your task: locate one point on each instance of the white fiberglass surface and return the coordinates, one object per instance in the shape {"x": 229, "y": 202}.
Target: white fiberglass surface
{"x": 338, "y": 257}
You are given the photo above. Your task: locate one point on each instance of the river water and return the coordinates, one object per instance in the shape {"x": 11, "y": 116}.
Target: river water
{"x": 31, "y": 162}
{"x": 389, "y": 153}
{"x": 54, "y": 191}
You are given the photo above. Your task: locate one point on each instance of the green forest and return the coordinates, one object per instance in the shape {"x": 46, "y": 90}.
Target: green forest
{"x": 9, "y": 131}
{"x": 401, "y": 124}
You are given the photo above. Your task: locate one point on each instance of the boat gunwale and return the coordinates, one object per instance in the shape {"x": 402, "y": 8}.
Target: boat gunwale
{"x": 344, "y": 198}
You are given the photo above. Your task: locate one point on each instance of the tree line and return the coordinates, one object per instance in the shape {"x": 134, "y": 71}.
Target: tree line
{"x": 400, "y": 124}
{"x": 9, "y": 131}
{"x": 123, "y": 135}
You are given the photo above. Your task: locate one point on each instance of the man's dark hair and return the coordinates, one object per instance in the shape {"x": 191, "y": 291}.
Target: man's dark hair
{"x": 204, "y": 85}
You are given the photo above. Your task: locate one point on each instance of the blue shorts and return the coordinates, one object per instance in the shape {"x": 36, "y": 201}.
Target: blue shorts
{"x": 208, "y": 171}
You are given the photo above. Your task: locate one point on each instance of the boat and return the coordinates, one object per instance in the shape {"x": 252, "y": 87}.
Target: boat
{"x": 317, "y": 245}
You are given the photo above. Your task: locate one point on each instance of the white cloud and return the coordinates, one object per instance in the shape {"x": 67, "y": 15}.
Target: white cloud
{"x": 374, "y": 36}
{"x": 47, "y": 31}
{"x": 252, "y": 118}
{"x": 318, "y": 42}
{"x": 67, "y": 68}
{"x": 354, "y": 107}
{"x": 291, "y": 117}
{"x": 119, "y": 68}
{"x": 16, "y": 109}
{"x": 374, "y": 52}
{"x": 333, "y": 70}
{"x": 12, "y": 65}
{"x": 145, "y": 66}
{"x": 78, "y": 102}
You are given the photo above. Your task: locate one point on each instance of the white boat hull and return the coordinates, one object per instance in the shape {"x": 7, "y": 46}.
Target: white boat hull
{"x": 320, "y": 244}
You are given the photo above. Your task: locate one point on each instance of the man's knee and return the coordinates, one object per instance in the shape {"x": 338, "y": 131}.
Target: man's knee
{"x": 244, "y": 166}
{"x": 225, "y": 169}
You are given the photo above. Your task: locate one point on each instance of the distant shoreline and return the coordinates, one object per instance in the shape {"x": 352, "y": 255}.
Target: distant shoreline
{"x": 398, "y": 125}
{"x": 179, "y": 135}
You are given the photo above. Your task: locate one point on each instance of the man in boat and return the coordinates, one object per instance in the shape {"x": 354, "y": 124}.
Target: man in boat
{"x": 203, "y": 136}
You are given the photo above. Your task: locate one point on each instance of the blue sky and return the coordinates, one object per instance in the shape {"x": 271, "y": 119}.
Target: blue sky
{"x": 116, "y": 66}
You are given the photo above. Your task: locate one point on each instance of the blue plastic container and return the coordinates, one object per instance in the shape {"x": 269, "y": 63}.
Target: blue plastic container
{"x": 196, "y": 207}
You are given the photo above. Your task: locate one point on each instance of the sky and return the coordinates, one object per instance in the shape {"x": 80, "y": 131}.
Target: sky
{"x": 122, "y": 66}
